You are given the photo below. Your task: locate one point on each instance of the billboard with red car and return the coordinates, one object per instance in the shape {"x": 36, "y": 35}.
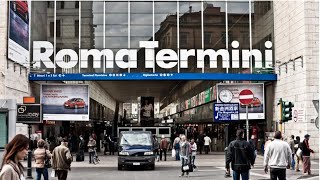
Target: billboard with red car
{"x": 65, "y": 102}
{"x": 229, "y": 93}
{"x": 19, "y": 31}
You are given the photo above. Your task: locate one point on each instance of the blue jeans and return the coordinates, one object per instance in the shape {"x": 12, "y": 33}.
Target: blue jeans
{"x": 43, "y": 171}
{"x": 244, "y": 175}
{"x": 91, "y": 157}
{"x": 177, "y": 155}
{"x": 293, "y": 162}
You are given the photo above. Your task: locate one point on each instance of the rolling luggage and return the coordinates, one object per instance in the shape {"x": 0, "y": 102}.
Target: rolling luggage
{"x": 80, "y": 157}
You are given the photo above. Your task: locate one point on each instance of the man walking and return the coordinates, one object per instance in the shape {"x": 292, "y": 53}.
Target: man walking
{"x": 306, "y": 155}
{"x": 61, "y": 160}
{"x": 240, "y": 154}
{"x": 291, "y": 144}
{"x": 207, "y": 142}
{"x": 163, "y": 148}
{"x": 278, "y": 157}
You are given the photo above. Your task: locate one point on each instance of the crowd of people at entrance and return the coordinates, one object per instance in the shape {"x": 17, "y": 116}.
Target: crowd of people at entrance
{"x": 279, "y": 155}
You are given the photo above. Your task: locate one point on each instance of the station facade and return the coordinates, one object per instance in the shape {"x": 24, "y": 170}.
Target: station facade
{"x": 291, "y": 27}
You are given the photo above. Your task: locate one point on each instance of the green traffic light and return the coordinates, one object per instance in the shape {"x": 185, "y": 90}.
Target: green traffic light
{"x": 287, "y": 111}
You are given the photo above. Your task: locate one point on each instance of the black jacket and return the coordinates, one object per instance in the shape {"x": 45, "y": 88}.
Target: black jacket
{"x": 240, "y": 154}
{"x": 305, "y": 148}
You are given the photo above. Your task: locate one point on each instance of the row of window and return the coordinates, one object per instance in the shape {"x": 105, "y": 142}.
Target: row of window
{"x": 61, "y": 5}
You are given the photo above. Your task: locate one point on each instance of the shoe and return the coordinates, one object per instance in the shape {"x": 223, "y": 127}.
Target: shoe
{"x": 181, "y": 175}
{"x": 297, "y": 170}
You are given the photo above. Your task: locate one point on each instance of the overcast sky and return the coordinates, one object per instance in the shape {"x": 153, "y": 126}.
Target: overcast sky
{"x": 141, "y": 19}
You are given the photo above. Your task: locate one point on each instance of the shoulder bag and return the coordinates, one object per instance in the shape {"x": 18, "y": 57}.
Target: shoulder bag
{"x": 47, "y": 161}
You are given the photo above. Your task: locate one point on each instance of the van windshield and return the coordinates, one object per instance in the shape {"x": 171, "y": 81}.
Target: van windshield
{"x": 141, "y": 139}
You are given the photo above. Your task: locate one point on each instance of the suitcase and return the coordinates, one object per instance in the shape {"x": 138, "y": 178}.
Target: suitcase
{"x": 79, "y": 157}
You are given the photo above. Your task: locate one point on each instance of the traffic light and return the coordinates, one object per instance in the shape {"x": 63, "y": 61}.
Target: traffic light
{"x": 286, "y": 111}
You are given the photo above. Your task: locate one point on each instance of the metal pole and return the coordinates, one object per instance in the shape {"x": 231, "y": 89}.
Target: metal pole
{"x": 29, "y": 170}
{"x": 247, "y": 122}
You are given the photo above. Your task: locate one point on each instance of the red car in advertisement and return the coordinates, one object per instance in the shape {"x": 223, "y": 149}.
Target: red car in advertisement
{"x": 255, "y": 103}
{"x": 21, "y": 8}
{"x": 75, "y": 103}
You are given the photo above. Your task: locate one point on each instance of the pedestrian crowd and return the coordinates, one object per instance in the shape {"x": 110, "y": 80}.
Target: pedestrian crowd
{"x": 279, "y": 155}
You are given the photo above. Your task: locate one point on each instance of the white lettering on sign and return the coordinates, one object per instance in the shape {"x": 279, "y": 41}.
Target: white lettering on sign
{"x": 165, "y": 58}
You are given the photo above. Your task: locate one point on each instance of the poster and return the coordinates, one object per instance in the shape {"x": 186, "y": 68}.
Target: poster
{"x": 61, "y": 102}
{"x": 229, "y": 93}
{"x": 19, "y": 32}
{"x": 147, "y": 111}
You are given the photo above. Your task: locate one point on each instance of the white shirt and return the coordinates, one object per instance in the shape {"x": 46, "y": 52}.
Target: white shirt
{"x": 277, "y": 155}
{"x": 207, "y": 141}
{"x": 148, "y": 108}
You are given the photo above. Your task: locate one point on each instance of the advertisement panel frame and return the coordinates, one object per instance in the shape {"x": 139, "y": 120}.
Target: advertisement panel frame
{"x": 13, "y": 47}
{"x": 30, "y": 122}
{"x": 251, "y": 116}
{"x": 63, "y": 116}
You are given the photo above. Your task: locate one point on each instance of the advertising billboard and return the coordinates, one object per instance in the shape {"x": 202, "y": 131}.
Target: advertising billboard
{"x": 229, "y": 93}
{"x": 19, "y": 31}
{"x": 61, "y": 102}
{"x": 29, "y": 113}
{"x": 147, "y": 111}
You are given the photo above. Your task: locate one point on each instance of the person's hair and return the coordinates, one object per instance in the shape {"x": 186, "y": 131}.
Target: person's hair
{"x": 292, "y": 136}
{"x": 298, "y": 137}
{"x": 277, "y": 135}
{"x": 240, "y": 133}
{"x": 41, "y": 143}
{"x": 17, "y": 144}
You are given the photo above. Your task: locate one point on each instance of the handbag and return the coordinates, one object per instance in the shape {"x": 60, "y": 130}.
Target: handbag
{"x": 173, "y": 154}
{"x": 299, "y": 152}
{"x": 47, "y": 162}
{"x": 53, "y": 173}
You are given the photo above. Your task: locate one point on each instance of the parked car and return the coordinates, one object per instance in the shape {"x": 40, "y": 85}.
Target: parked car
{"x": 255, "y": 103}
{"x": 75, "y": 103}
{"x": 21, "y": 8}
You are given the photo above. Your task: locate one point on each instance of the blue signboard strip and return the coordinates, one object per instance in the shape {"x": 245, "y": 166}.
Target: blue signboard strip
{"x": 151, "y": 76}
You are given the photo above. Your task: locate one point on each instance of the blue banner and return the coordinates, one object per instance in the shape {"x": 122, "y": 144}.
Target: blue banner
{"x": 151, "y": 76}
{"x": 226, "y": 111}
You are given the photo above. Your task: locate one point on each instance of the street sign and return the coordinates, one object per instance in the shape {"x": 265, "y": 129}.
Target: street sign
{"x": 29, "y": 113}
{"x": 226, "y": 111}
{"x": 246, "y": 97}
{"x": 295, "y": 115}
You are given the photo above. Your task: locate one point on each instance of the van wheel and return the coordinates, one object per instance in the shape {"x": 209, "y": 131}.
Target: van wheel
{"x": 119, "y": 167}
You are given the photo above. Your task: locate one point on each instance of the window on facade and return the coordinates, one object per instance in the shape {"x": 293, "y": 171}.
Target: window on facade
{"x": 52, "y": 29}
{"x": 50, "y": 4}
{"x": 77, "y": 4}
{"x": 76, "y": 28}
{"x": 183, "y": 39}
{"x": 62, "y": 5}
{"x": 223, "y": 37}
{"x": 207, "y": 37}
{"x": 58, "y": 28}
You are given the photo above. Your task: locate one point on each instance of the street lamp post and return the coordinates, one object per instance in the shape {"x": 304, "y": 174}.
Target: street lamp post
{"x": 29, "y": 170}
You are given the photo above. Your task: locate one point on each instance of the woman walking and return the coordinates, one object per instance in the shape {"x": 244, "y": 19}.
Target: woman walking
{"x": 16, "y": 150}
{"x": 40, "y": 154}
{"x": 193, "y": 146}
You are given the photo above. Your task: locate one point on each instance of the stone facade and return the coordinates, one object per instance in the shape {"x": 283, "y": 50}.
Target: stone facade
{"x": 296, "y": 30}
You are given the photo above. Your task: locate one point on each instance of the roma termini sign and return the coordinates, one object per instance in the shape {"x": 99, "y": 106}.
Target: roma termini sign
{"x": 165, "y": 58}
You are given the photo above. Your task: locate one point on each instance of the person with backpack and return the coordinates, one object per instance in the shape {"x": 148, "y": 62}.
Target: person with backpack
{"x": 40, "y": 155}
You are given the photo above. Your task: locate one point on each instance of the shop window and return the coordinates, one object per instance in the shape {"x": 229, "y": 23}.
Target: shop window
{"x": 62, "y": 5}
